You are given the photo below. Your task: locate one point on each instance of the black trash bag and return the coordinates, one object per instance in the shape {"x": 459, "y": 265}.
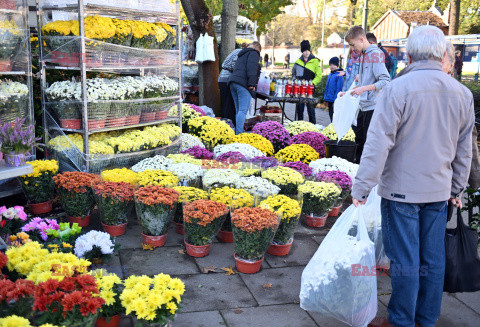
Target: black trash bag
{"x": 462, "y": 267}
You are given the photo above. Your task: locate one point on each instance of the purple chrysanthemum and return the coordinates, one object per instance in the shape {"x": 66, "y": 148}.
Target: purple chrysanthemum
{"x": 300, "y": 167}
{"x": 232, "y": 157}
{"x": 199, "y": 152}
{"x": 338, "y": 177}
{"x": 314, "y": 139}
{"x": 274, "y": 132}
{"x": 197, "y": 109}
{"x": 265, "y": 162}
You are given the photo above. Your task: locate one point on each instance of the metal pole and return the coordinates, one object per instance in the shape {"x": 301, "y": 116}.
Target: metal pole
{"x": 81, "y": 23}
{"x": 365, "y": 15}
{"x": 323, "y": 33}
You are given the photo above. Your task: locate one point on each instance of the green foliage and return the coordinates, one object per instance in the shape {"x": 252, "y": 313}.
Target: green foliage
{"x": 474, "y": 87}
{"x": 473, "y": 205}
{"x": 76, "y": 204}
{"x": 197, "y": 235}
{"x": 252, "y": 246}
{"x": 38, "y": 189}
{"x": 317, "y": 205}
{"x": 112, "y": 211}
{"x": 155, "y": 219}
{"x": 285, "y": 230}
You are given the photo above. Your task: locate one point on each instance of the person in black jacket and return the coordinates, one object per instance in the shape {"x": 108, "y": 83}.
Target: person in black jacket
{"x": 372, "y": 39}
{"x": 243, "y": 81}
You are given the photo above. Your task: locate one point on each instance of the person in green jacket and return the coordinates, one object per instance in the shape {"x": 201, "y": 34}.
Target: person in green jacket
{"x": 307, "y": 67}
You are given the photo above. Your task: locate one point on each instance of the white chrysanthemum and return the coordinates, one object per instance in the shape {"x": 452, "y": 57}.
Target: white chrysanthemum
{"x": 257, "y": 186}
{"x": 221, "y": 177}
{"x": 158, "y": 162}
{"x": 246, "y": 149}
{"x": 189, "y": 141}
{"x": 186, "y": 171}
{"x": 335, "y": 163}
{"x": 85, "y": 243}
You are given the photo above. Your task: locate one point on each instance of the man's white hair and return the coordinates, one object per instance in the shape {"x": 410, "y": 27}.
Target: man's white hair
{"x": 426, "y": 43}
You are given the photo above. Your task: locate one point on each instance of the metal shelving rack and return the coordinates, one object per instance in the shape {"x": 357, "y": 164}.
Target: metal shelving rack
{"x": 165, "y": 62}
{"x": 20, "y": 70}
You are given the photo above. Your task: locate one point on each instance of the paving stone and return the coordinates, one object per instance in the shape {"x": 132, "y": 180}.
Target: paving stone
{"x": 318, "y": 238}
{"x": 301, "y": 252}
{"x": 199, "y": 319}
{"x": 285, "y": 285}
{"x": 173, "y": 238}
{"x": 304, "y": 229}
{"x": 384, "y": 284}
{"x": 472, "y": 300}
{"x": 161, "y": 260}
{"x": 325, "y": 321}
{"x": 209, "y": 292}
{"x": 455, "y": 313}
{"x": 266, "y": 316}
{"x": 113, "y": 266}
{"x": 132, "y": 239}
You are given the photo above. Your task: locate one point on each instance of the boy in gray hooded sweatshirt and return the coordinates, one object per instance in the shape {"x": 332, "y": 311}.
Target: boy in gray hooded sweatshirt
{"x": 372, "y": 77}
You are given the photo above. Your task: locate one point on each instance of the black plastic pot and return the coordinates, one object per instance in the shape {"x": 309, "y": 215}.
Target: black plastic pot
{"x": 343, "y": 149}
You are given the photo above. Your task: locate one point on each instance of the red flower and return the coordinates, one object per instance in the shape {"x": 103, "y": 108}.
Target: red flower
{"x": 3, "y": 223}
{"x": 3, "y": 257}
{"x": 68, "y": 284}
{"x": 50, "y": 285}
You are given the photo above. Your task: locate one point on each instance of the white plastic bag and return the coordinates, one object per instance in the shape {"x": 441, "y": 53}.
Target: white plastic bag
{"x": 345, "y": 110}
{"x": 208, "y": 50}
{"x": 263, "y": 85}
{"x": 251, "y": 109}
{"x": 340, "y": 281}
{"x": 200, "y": 48}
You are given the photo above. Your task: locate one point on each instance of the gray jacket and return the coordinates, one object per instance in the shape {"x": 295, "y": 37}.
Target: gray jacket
{"x": 228, "y": 65}
{"x": 419, "y": 144}
{"x": 372, "y": 71}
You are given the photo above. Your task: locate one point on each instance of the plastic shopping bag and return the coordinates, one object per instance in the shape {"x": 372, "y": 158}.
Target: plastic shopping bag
{"x": 345, "y": 112}
{"x": 200, "y": 48}
{"x": 340, "y": 280}
{"x": 263, "y": 85}
{"x": 208, "y": 50}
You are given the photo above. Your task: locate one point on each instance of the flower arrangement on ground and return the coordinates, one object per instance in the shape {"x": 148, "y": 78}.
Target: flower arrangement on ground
{"x": 289, "y": 210}
{"x": 187, "y": 194}
{"x": 95, "y": 246}
{"x": 329, "y": 132}
{"x": 66, "y": 232}
{"x": 158, "y": 162}
{"x": 265, "y": 162}
{"x": 110, "y": 287}
{"x": 274, "y": 132}
{"x": 253, "y": 230}
{"x": 37, "y": 228}
{"x": 115, "y": 201}
{"x": 199, "y": 153}
{"x": 216, "y": 178}
{"x": 257, "y": 141}
{"x": 338, "y": 177}
{"x": 152, "y": 300}
{"x": 314, "y": 139}
{"x": 155, "y": 208}
{"x": 202, "y": 220}
{"x": 297, "y": 152}
{"x": 210, "y": 131}
{"x": 286, "y": 178}
{"x": 16, "y": 297}
{"x": 232, "y": 157}
{"x": 299, "y": 166}
{"x": 247, "y": 150}
{"x": 76, "y": 195}
{"x": 258, "y": 187}
{"x": 318, "y": 197}
{"x": 188, "y": 174}
{"x": 157, "y": 177}
{"x": 11, "y": 219}
{"x": 38, "y": 186}
{"x": 189, "y": 141}
{"x": 335, "y": 163}
{"x": 119, "y": 175}
{"x": 300, "y": 126}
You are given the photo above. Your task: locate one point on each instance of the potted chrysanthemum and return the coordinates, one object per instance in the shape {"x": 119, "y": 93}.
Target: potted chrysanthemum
{"x": 110, "y": 287}
{"x": 253, "y": 230}
{"x": 297, "y": 152}
{"x": 342, "y": 180}
{"x": 187, "y": 194}
{"x": 286, "y": 178}
{"x": 318, "y": 200}
{"x": 202, "y": 220}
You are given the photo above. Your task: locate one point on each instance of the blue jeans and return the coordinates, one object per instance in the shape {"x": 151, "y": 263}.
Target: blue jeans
{"x": 311, "y": 112}
{"x": 414, "y": 240}
{"x": 242, "y": 98}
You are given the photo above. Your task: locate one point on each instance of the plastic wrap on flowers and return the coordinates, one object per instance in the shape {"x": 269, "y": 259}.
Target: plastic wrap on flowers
{"x": 265, "y": 162}
{"x": 210, "y": 131}
{"x": 329, "y": 132}
{"x": 318, "y": 197}
{"x": 335, "y": 163}
{"x": 232, "y": 198}
{"x": 274, "y": 132}
{"x": 157, "y": 177}
{"x": 202, "y": 220}
{"x": 301, "y": 167}
{"x": 339, "y": 177}
{"x": 297, "y": 152}
{"x": 187, "y": 194}
{"x": 314, "y": 139}
{"x": 199, "y": 152}
{"x": 253, "y": 230}
{"x": 258, "y": 187}
{"x": 286, "y": 178}
{"x": 290, "y": 209}
{"x": 188, "y": 174}
{"x": 158, "y": 162}
{"x": 115, "y": 201}
{"x": 38, "y": 186}
{"x": 217, "y": 178}
{"x": 189, "y": 112}
{"x": 155, "y": 207}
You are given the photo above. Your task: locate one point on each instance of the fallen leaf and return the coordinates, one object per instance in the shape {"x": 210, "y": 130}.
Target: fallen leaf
{"x": 181, "y": 251}
{"x": 200, "y": 285}
{"x": 266, "y": 286}
{"x": 208, "y": 269}
{"x": 229, "y": 271}
{"x": 147, "y": 247}
{"x": 238, "y": 311}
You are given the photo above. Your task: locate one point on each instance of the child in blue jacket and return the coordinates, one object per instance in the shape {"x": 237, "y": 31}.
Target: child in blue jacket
{"x": 334, "y": 85}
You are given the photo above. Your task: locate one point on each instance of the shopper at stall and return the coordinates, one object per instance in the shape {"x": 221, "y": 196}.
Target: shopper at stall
{"x": 287, "y": 60}
{"x": 419, "y": 162}
{"x": 243, "y": 82}
{"x": 458, "y": 65}
{"x": 308, "y": 68}
{"x": 334, "y": 85}
{"x": 372, "y": 77}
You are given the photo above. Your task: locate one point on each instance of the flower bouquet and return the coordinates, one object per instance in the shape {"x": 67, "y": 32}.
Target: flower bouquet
{"x": 234, "y": 199}
{"x": 189, "y": 141}
{"x": 76, "y": 195}
{"x": 19, "y": 239}
{"x": 115, "y": 201}
{"x": 216, "y": 178}
{"x": 155, "y": 208}
{"x": 157, "y": 177}
{"x": 286, "y": 178}
{"x": 38, "y": 186}
{"x": 210, "y": 131}
{"x": 94, "y": 246}
{"x": 301, "y": 167}
{"x": 119, "y": 175}
{"x": 300, "y": 126}
{"x": 37, "y": 228}
{"x": 11, "y": 220}
{"x": 257, "y": 141}
{"x": 202, "y": 220}
{"x": 318, "y": 200}
{"x": 274, "y": 132}
{"x": 258, "y": 187}
{"x": 10, "y": 34}
{"x": 16, "y": 298}
{"x": 188, "y": 174}
{"x": 314, "y": 139}
{"x": 253, "y": 230}
{"x": 297, "y": 152}
{"x": 199, "y": 152}
{"x": 15, "y": 141}
{"x": 335, "y": 163}
{"x": 187, "y": 194}
{"x": 290, "y": 210}
{"x": 110, "y": 287}
{"x": 158, "y": 162}
{"x": 154, "y": 301}
{"x": 342, "y": 180}
{"x": 246, "y": 150}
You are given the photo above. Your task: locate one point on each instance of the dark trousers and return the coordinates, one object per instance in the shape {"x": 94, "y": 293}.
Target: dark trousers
{"x": 310, "y": 110}
{"x": 330, "y": 110}
{"x": 228, "y": 106}
{"x": 363, "y": 122}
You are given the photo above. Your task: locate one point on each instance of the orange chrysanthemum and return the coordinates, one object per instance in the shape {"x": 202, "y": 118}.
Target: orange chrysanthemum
{"x": 254, "y": 219}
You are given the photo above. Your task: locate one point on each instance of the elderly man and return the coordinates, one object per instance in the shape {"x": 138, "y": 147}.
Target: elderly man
{"x": 419, "y": 150}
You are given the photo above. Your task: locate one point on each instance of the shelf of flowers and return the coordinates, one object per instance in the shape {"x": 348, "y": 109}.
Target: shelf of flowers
{"x": 13, "y": 36}
{"x": 14, "y": 100}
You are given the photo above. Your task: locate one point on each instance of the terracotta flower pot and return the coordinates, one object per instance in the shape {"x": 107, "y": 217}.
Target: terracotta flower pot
{"x": 116, "y": 122}
{"x": 132, "y": 120}
{"x": 197, "y": 251}
{"x": 81, "y": 221}
{"x": 247, "y": 267}
{"x": 147, "y": 117}
{"x": 71, "y": 123}
{"x": 225, "y": 237}
{"x": 179, "y": 229}
{"x": 39, "y": 208}
{"x": 96, "y": 124}
{"x": 335, "y": 211}
{"x": 160, "y": 115}
{"x": 316, "y": 221}
{"x": 5, "y": 65}
{"x": 115, "y": 230}
{"x": 114, "y": 321}
{"x": 280, "y": 249}
{"x": 155, "y": 241}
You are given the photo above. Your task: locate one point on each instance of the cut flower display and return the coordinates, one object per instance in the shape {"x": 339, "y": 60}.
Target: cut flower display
{"x": 338, "y": 177}
{"x": 38, "y": 228}
{"x": 11, "y": 219}
{"x": 246, "y": 150}
{"x": 119, "y": 175}
{"x": 188, "y": 174}
{"x": 300, "y": 126}
{"x": 258, "y": 187}
{"x": 265, "y": 162}
{"x": 158, "y": 162}
{"x": 233, "y": 199}
{"x": 199, "y": 152}
{"x": 232, "y": 157}
{"x": 215, "y": 178}
{"x": 187, "y": 194}
{"x": 297, "y": 152}
{"x": 329, "y": 132}
{"x": 210, "y": 131}
{"x": 335, "y": 163}
{"x": 299, "y": 166}
{"x": 202, "y": 220}
{"x": 157, "y": 177}
{"x": 189, "y": 141}
{"x": 94, "y": 245}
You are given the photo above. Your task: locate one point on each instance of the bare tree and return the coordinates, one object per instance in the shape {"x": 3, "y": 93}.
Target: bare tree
{"x": 229, "y": 27}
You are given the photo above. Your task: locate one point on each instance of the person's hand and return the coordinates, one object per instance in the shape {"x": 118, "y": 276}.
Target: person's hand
{"x": 357, "y": 203}
{"x": 341, "y": 94}
{"x": 356, "y": 79}
{"x": 252, "y": 88}
{"x": 359, "y": 90}
{"x": 341, "y": 73}
{"x": 457, "y": 202}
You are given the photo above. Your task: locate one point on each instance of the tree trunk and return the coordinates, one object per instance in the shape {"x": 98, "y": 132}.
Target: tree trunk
{"x": 201, "y": 21}
{"x": 229, "y": 28}
{"x": 454, "y": 17}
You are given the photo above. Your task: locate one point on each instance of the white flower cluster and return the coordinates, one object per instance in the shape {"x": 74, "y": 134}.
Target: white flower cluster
{"x": 9, "y": 88}
{"x": 186, "y": 171}
{"x": 86, "y": 242}
{"x": 257, "y": 186}
{"x": 224, "y": 177}
{"x": 159, "y": 84}
{"x": 158, "y": 162}
{"x": 63, "y": 90}
{"x": 189, "y": 141}
{"x": 335, "y": 163}
{"x": 246, "y": 149}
